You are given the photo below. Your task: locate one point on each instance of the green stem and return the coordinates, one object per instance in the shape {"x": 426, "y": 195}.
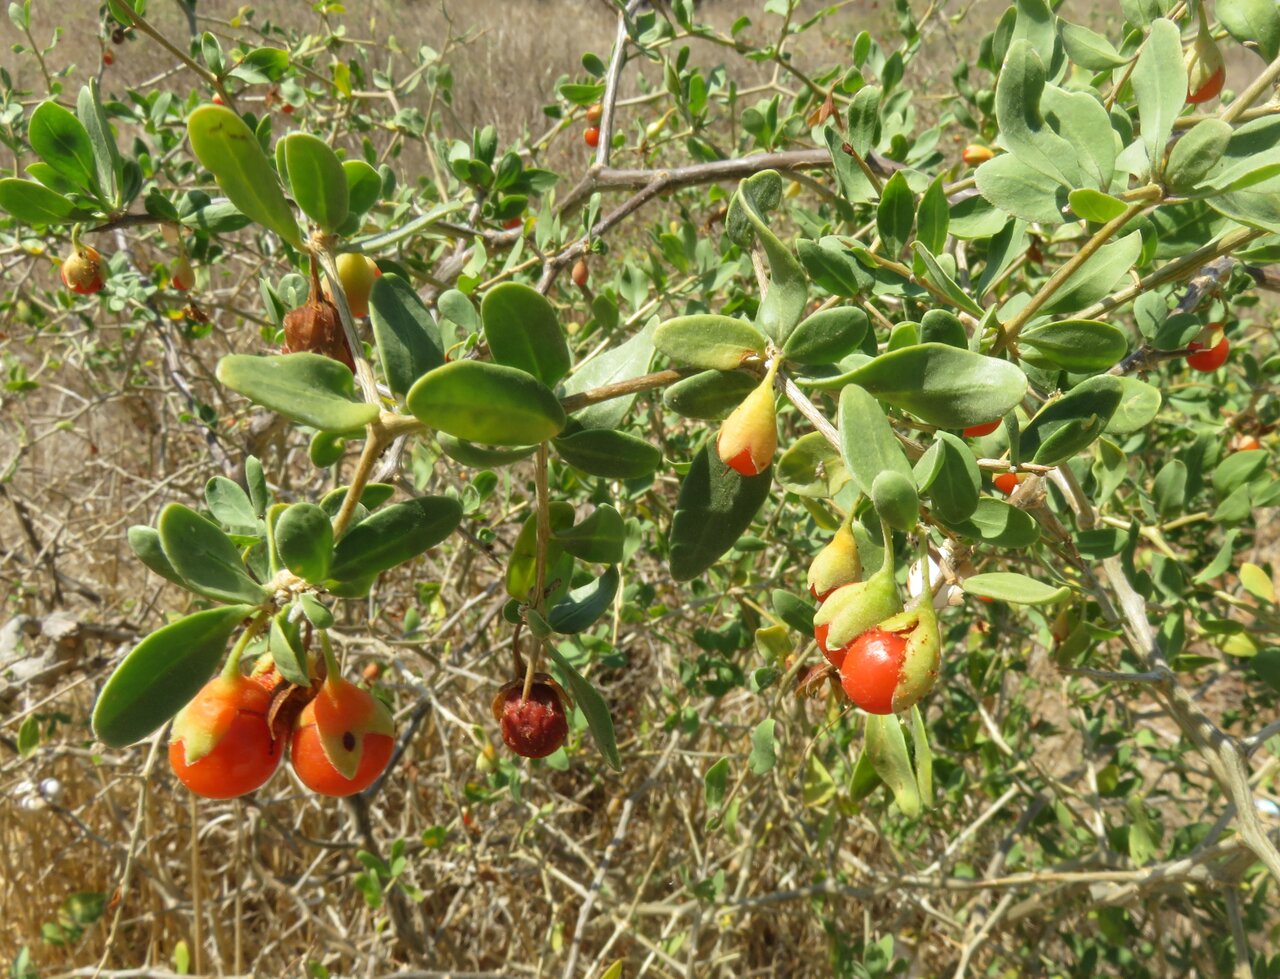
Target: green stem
{"x": 232, "y": 668}
{"x": 331, "y": 668}
{"x": 540, "y": 567}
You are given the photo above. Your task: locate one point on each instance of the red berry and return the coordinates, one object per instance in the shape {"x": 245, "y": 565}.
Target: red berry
{"x": 108, "y": 58}
{"x": 512, "y": 223}
{"x": 977, "y": 431}
{"x": 870, "y": 670}
{"x": 287, "y": 109}
{"x": 834, "y": 656}
{"x": 580, "y": 274}
{"x": 1246, "y": 443}
{"x": 535, "y": 727}
{"x": 594, "y": 113}
{"x": 83, "y": 272}
{"x": 976, "y": 153}
{"x": 221, "y": 746}
{"x": 592, "y": 136}
{"x": 1006, "y": 483}
{"x": 1208, "y": 361}
{"x": 343, "y": 727}
{"x": 217, "y": 100}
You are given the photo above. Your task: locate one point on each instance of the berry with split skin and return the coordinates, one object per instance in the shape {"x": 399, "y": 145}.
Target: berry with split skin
{"x": 533, "y": 727}
{"x": 1006, "y": 483}
{"x": 1207, "y": 358}
{"x": 222, "y": 746}
{"x": 592, "y": 136}
{"x": 342, "y": 740}
{"x": 890, "y": 667}
{"x": 977, "y": 431}
{"x": 748, "y": 438}
{"x": 83, "y": 271}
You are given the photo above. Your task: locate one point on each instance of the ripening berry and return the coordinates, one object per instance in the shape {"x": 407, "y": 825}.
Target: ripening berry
{"x": 1006, "y": 483}
{"x": 535, "y": 727}
{"x": 976, "y": 153}
{"x": 977, "y": 431}
{"x": 591, "y": 136}
{"x": 1245, "y": 443}
{"x": 580, "y": 273}
{"x": 221, "y": 746}
{"x": 83, "y": 271}
{"x": 1205, "y": 69}
{"x": 357, "y": 274}
{"x": 184, "y": 276}
{"x": 749, "y": 436}
{"x": 343, "y": 739}
{"x": 217, "y": 100}
{"x": 108, "y": 59}
{"x": 595, "y": 113}
{"x": 835, "y": 565}
{"x": 888, "y": 668}
{"x": 1206, "y": 360}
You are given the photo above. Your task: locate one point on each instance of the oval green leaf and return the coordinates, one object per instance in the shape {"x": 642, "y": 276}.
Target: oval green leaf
{"x": 709, "y": 341}
{"x": 582, "y": 607}
{"x": 304, "y": 540}
{"x": 1071, "y": 423}
{"x": 826, "y": 336}
{"x": 714, "y": 508}
{"x": 406, "y": 334}
{"x": 205, "y": 557}
{"x": 523, "y": 331}
{"x": 309, "y": 388}
{"x": 486, "y": 403}
{"x": 609, "y": 454}
{"x": 394, "y": 535}
{"x": 593, "y": 707}
{"x": 711, "y": 394}
{"x": 596, "y": 540}
{"x": 316, "y": 179}
{"x": 1007, "y": 586}
{"x": 1079, "y": 346}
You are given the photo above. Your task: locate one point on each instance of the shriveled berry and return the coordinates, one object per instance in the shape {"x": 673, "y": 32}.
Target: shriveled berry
{"x": 532, "y": 727}
{"x": 83, "y": 271}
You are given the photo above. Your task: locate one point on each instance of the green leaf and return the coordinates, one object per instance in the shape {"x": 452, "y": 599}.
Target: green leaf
{"x": 1023, "y": 128}
{"x": 596, "y": 540}
{"x": 1257, "y": 582}
{"x": 31, "y": 203}
{"x": 304, "y": 540}
{"x": 486, "y": 403}
{"x": 582, "y": 607}
{"x": 783, "y": 302}
{"x": 938, "y": 277}
{"x": 1089, "y": 49}
{"x": 896, "y": 214}
{"x": 609, "y": 454}
{"x": 394, "y": 535}
{"x": 1007, "y": 586}
{"x": 709, "y": 341}
{"x": 867, "y": 443}
{"x": 230, "y": 505}
{"x": 407, "y": 336}
{"x": 256, "y": 480}
{"x": 593, "y": 707}
{"x": 284, "y": 644}
{"x": 711, "y": 394}
{"x": 522, "y": 565}
{"x": 1193, "y": 156}
{"x": 145, "y": 543}
{"x": 1071, "y": 423}
{"x": 763, "y": 748}
{"x": 826, "y": 336}
{"x": 481, "y": 456}
{"x": 364, "y": 186}
{"x": 1139, "y": 404}
{"x": 162, "y": 674}
{"x": 621, "y": 363}
{"x": 1256, "y": 21}
{"x": 1169, "y": 491}
{"x": 523, "y": 331}
{"x": 923, "y": 756}
{"x": 933, "y": 218}
{"x": 714, "y": 508}
{"x": 832, "y": 266}
{"x": 228, "y": 148}
{"x": 316, "y": 179}
{"x": 1160, "y": 83}
{"x": 811, "y": 467}
{"x": 1097, "y": 276}
{"x": 317, "y": 614}
{"x": 998, "y": 523}
{"x": 887, "y": 750}
{"x": 60, "y": 139}
{"x": 309, "y": 388}
{"x": 939, "y": 384}
{"x": 714, "y": 785}
{"x": 1079, "y": 346}
{"x": 205, "y": 557}
{"x": 1093, "y": 205}
{"x": 1020, "y": 190}
{"x": 108, "y": 165}
{"x": 955, "y": 481}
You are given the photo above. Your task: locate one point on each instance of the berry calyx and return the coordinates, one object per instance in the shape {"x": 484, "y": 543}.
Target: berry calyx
{"x": 343, "y": 739}
{"x": 357, "y": 275}
{"x": 977, "y": 431}
{"x": 749, "y": 436}
{"x": 315, "y": 326}
{"x": 580, "y": 273}
{"x": 83, "y": 271}
{"x": 851, "y": 610}
{"x": 1006, "y": 483}
{"x": 595, "y": 113}
{"x": 536, "y": 726}
{"x": 976, "y": 153}
{"x": 221, "y": 746}
{"x": 1206, "y": 360}
{"x": 835, "y": 565}
{"x": 591, "y": 136}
